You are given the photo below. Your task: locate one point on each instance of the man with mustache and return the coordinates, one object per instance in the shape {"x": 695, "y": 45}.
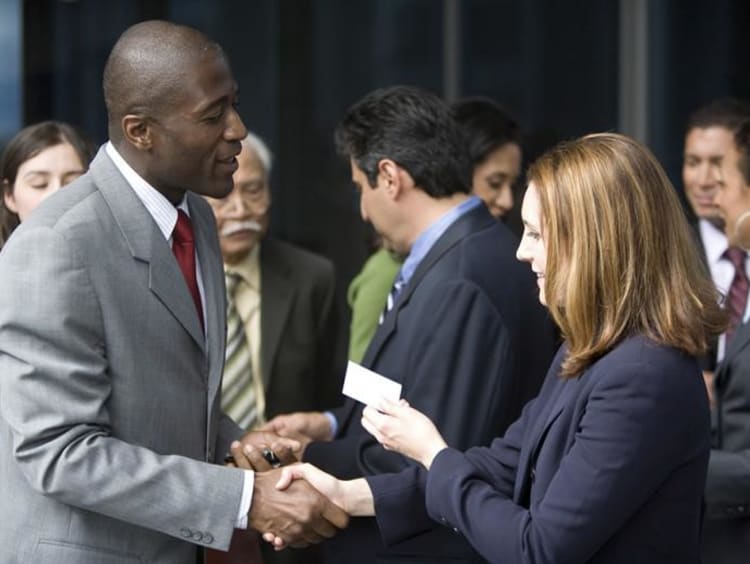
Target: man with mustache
{"x": 282, "y": 353}
{"x": 284, "y": 298}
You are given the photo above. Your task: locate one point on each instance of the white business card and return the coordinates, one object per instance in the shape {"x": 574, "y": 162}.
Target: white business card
{"x": 362, "y": 384}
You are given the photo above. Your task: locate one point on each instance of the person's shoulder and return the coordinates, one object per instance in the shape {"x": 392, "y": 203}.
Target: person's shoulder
{"x": 73, "y": 204}
{"x": 654, "y": 364}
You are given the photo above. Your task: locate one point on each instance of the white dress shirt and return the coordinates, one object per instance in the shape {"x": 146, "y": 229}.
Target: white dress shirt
{"x": 722, "y": 271}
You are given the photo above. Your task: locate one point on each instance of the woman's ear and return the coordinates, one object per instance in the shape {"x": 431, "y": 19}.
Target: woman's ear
{"x": 8, "y": 198}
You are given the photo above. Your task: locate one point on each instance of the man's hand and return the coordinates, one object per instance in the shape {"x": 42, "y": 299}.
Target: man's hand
{"x": 312, "y": 424}
{"x": 297, "y": 516}
{"x": 249, "y": 451}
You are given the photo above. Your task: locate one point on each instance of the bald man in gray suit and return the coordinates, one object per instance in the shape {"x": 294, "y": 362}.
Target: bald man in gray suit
{"x": 111, "y": 346}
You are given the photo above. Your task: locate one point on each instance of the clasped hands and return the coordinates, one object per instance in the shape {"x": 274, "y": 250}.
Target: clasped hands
{"x": 299, "y": 504}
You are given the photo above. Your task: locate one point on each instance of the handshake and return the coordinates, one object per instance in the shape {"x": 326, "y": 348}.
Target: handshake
{"x": 288, "y": 511}
{"x": 299, "y": 504}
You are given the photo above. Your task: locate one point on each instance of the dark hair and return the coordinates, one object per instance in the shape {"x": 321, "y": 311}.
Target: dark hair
{"x": 25, "y": 145}
{"x": 742, "y": 142}
{"x": 487, "y": 126}
{"x": 728, "y": 113}
{"x": 413, "y": 128}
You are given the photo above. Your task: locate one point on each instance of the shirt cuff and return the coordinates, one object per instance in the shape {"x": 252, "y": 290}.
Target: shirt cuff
{"x": 247, "y": 498}
{"x": 334, "y": 423}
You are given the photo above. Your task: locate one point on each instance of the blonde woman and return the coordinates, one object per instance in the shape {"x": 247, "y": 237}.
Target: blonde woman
{"x": 608, "y": 463}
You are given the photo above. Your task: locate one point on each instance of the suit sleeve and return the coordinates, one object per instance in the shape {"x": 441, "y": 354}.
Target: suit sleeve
{"x": 453, "y": 374}
{"x": 399, "y": 499}
{"x": 635, "y": 431}
{"x": 728, "y": 482}
{"x": 728, "y": 485}
{"x": 53, "y": 394}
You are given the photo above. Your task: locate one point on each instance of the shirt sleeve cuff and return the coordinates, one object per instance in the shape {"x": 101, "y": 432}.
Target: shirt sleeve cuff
{"x": 247, "y": 498}
{"x": 334, "y": 423}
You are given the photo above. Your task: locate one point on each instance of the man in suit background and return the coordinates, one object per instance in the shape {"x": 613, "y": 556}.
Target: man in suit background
{"x": 112, "y": 343}
{"x": 463, "y": 314}
{"x": 283, "y": 354}
{"x": 284, "y": 297}
{"x": 726, "y": 532}
{"x": 709, "y": 137}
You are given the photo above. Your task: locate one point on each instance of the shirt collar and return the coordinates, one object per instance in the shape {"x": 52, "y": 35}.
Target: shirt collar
{"x": 714, "y": 240}
{"x": 248, "y": 268}
{"x": 427, "y": 239}
{"x": 161, "y": 209}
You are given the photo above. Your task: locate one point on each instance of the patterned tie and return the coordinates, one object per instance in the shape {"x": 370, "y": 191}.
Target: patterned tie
{"x": 238, "y": 393}
{"x": 398, "y": 285}
{"x": 737, "y": 296}
{"x": 183, "y": 247}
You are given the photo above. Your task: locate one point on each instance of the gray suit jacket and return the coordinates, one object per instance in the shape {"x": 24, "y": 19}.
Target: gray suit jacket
{"x": 726, "y": 530}
{"x": 303, "y": 359}
{"x": 109, "y": 391}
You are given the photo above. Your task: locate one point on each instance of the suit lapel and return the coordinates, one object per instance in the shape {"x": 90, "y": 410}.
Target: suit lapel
{"x": 277, "y": 297}
{"x": 557, "y": 401}
{"x": 472, "y": 221}
{"x": 147, "y": 244}
{"x": 214, "y": 293}
{"x": 740, "y": 341}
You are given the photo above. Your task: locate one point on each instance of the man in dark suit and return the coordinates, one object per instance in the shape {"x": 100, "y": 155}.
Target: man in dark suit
{"x": 726, "y": 534}
{"x": 458, "y": 336}
{"x": 282, "y": 351}
{"x": 284, "y": 297}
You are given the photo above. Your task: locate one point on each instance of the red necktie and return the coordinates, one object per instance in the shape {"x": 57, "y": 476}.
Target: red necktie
{"x": 737, "y": 296}
{"x": 183, "y": 247}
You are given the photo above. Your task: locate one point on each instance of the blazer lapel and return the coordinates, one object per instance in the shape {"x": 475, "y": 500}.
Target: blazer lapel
{"x": 470, "y": 222}
{"x": 557, "y": 401}
{"x": 740, "y": 341}
{"x": 147, "y": 244}
{"x": 277, "y": 298}
{"x": 214, "y": 292}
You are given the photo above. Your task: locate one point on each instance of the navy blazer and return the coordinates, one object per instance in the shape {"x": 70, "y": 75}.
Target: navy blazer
{"x": 608, "y": 468}
{"x": 461, "y": 338}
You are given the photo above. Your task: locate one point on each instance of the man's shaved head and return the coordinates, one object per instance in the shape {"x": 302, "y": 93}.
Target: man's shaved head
{"x": 146, "y": 67}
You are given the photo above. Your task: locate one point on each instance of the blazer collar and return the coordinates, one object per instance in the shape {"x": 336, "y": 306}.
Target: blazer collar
{"x": 147, "y": 244}
{"x": 474, "y": 220}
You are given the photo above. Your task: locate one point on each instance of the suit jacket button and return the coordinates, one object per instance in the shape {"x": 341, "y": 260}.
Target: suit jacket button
{"x": 455, "y": 530}
{"x": 186, "y": 533}
{"x": 532, "y": 474}
{"x": 208, "y": 538}
{"x": 198, "y": 536}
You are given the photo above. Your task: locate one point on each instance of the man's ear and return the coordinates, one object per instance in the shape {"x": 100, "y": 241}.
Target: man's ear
{"x": 137, "y": 131}
{"x": 389, "y": 172}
